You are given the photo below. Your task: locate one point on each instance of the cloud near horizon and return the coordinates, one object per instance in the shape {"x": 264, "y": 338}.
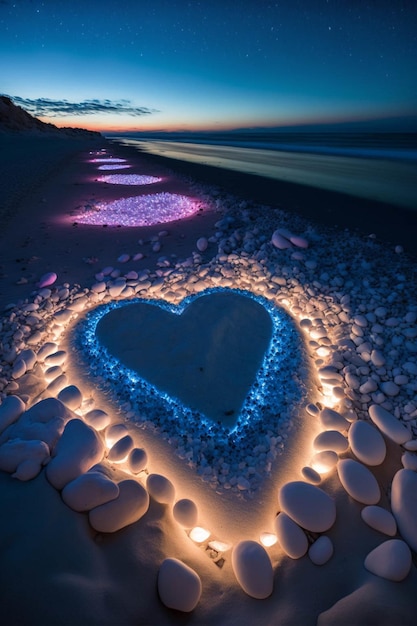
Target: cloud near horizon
{"x": 45, "y": 107}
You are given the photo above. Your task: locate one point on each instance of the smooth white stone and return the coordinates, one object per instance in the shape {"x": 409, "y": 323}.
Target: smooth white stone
{"x": 29, "y": 357}
{"x": 75, "y": 453}
{"x": 367, "y": 443}
{"x": 160, "y": 488}
{"x": 332, "y": 420}
{"x": 331, "y": 440}
{"x": 377, "y": 358}
{"x": 179, "y": 586}
{"x": 137, "y": 460}
{"x": 253, "y": 569}
{"x": 88, "y": 491}
{"x": 19, "y": 369}
{"x": 71, "y": 396}
{"x": 114, "y": 433}
{"x": 324, "y": 461}
{"x": 56, "y": 358}
{"x": 52, "y": 373}
{"x": 388, "y": 424}
{"x": 390, "y": 560}
{"x": 309, "y": 506}
{"x": 98, "y": 419}
{"x": 47, "y": 279}
{"x": 185, "y": 512}
{"x": 130, "y": 505}
{"x": 311, "y": 475}
{"x": 120, "y": 450}
{"x": 48, "y": 348}
{"x": 321, "y": 550}
{"x": 280, "y": 242}
{"x": 358, "y": 481}
{"x": 390, "y": 388}
{"x": 11, "y": 409}
{"x": 291, "y": 537}
{"x": 298, "y": 241}
{"x": 202, "y": 244}
{"x": 404, "y": 505}
{"x": 409, "y": 461}
{"x": 380, "y": 519}
{"x": 23, "y": 459}
{"x": 312, "y": 409}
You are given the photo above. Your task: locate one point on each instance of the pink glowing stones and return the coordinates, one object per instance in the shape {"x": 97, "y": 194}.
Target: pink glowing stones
{"x": 144, "y": 210}
{"x": 129, "y": 179}
{"x": 112, "y": 166}
{"x": 108, "y": 160}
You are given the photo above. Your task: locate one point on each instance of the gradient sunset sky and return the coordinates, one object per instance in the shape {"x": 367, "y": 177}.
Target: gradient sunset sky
{"x": 215, "y": 64}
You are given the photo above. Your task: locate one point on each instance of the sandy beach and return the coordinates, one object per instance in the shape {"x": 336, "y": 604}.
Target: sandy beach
{"x": 108, "y": 456}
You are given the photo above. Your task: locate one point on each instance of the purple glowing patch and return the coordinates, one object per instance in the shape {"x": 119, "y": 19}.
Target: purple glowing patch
{"x": 129, "y": 179}
{"x": 113, "y": 167}
{"x": 107, "y": 160}
{"x": 143, "y": 210}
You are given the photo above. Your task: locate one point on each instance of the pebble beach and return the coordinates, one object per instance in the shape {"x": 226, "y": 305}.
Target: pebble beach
{"x": 126, "y": 501}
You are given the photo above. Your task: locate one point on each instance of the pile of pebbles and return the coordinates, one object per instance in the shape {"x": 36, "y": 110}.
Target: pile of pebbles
{"x": 352, "y": 303}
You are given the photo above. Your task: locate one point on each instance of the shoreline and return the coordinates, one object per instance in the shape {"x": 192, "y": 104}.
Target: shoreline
{"x": 392, "y": 225}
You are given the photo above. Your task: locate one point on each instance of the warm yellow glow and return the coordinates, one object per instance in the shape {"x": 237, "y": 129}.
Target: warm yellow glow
{"x": 219, "y": 546}
{"x": 324, "y": 462}
{"x": 268, "y": 539}
{"x": 199, "y": 534}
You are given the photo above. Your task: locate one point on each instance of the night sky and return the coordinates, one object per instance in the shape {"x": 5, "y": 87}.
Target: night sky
{"x": 215, "y": 64}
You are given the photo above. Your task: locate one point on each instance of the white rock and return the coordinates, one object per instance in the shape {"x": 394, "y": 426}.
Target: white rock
{"x": 29, "y": 357}
{"x": 389, "y": 424}
{"x": 202, "y": 244}
{"x": 409, "y": 461}
{"x": 47, "y": 279}
{"x": 324, "y": 461}
{"x": 71, "y": 396}
{"x": 120, "y": 451}
{"x": 321, "y": 550}
{"x": 19, "y": 369}
{"x": 300, "y": 242}
{"x": 332, "y": 420}
{"x": 88, "y": 491}
{"x": 48, "y": 348}
{"x": 330, "y": 440}
{"x": 309, "y": 506}
{"x": 380, "y": 519}
{"x": 367, "y": 443}
{"x": 377, "y": 358}
{"x": 75, "y": 453}
{"x": 311, "y": 475}
{"x": 390, "y": 560}
{"x": 137, "y": 460}
{"x": 11, "y": 409}
{"x": 404, "y": 505}
{"x": 253, "y": 569}
{"x": 98, "y": 419}
{"x": 185, "y": 512}
{"x": 23, "y": 459}
{"x": 179, "y": 586}
{"x": 56, "y": 358}
{"x": 292, "y": 538}
{"x": 280, "y": 242}
{"x": 358, "y": 481}
{"x": 160, "y": 488}
{"x": 114, "y": 433}
{"x": 130, "y": 505}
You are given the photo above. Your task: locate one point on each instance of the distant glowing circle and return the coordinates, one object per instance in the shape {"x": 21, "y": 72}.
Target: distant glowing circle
{"x": 112, "y": 166}
{"x": 129, "y": 179}
{"x": 144, "y": 210}
{"x": 108, "y": 160}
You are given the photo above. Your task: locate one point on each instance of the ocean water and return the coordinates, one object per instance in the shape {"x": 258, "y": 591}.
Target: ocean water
{"x": 381, "y": 169}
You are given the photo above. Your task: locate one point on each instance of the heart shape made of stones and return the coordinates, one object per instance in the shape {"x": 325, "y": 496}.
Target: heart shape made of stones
{"x": 222, "y": 365}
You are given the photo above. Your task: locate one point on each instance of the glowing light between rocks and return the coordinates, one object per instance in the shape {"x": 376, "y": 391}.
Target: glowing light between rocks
{"x": 268, "y": 539}
{"x": 144, "y": 210}
{"x": 107, "y": 160}
{"x": 199, "y": 534}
